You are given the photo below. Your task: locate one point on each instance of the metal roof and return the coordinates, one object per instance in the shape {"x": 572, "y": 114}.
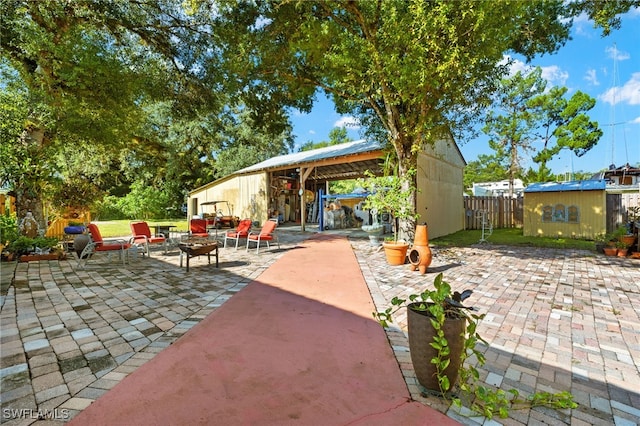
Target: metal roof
{"x": 316, "y": 155}
{"x": 576, "y": 185}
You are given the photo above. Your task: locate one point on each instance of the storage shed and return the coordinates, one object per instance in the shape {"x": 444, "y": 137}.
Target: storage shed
{"x": 289, "y": 184}
{"x": 574, "y": 209}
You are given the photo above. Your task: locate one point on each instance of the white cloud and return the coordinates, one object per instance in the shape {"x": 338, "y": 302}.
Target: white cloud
{"x": 629, "y": 93}
{"x": 347, "y": 121}
{"x": 582, "y": 25}
{"x": 636, "y": 121}
{"x": 615, "y": 54}
{"x": 591, "y": 77}
{"x": 582, "y": 18}
{"x": 555, "y": 75}
{"x": 516, "y": 66}
{"x": 312, "y": 132}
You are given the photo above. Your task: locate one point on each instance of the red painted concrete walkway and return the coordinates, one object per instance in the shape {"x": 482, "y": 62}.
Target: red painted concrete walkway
{"x": 297, "y": 346}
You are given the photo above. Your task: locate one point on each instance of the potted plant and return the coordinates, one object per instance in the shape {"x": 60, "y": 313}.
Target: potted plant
{"x": 26, "y": 248}
{"x": 442, "y": 336}
{"x": 440, "y": 329}
{"x": 600, "y": 241}
{"x": 622, "y": 248}
{"x": 391, "y": 194}
{"x": 623, "y": 235}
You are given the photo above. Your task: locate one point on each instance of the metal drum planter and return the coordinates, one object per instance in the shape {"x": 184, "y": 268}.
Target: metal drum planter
{"x": 421, "y": 334}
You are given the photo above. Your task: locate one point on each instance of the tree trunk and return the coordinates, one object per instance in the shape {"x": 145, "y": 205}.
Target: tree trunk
{"x": 29, "y": 186}
{"x": 407, "y": 160}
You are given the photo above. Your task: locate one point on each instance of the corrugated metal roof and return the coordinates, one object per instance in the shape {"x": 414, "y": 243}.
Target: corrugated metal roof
{"x": 333, "y": 151}
{"x": 576, "y": 185}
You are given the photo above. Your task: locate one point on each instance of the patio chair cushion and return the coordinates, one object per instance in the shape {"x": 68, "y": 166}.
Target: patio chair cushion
{"x": 101, "y": 245}
{"x": 198, "y": 227}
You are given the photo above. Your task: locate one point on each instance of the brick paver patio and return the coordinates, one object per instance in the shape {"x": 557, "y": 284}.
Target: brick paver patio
{"x": 555, "y": 321}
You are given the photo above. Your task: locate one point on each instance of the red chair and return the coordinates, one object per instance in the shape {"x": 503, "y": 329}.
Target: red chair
{"x": 98, "y": 244}
{"x": 198, "y": 228}
{"x": 242, "y": 231}
{"x": 267, "y": 233}
{"x": 142, "y": 236}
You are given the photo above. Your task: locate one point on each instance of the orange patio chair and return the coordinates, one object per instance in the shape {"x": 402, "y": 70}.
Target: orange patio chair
{"x": 98, "y": 244}
{"x": 266, "y": 234}
{"x": 242, "y": 231}
{"x": 198, "y": 228}
{"x": 142, "y": 236}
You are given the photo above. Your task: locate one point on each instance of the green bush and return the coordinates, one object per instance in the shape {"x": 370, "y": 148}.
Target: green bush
{"x": 8, "y": 228}
{"x": 24, "y": 245}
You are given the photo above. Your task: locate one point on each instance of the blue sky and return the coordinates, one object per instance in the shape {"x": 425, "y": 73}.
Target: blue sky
{"x": 608, "y": 69}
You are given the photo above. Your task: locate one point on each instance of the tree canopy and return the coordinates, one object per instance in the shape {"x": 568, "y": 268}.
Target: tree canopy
{"x": 102, "y": 94}
{"x": 526, "y": 117}
{"x": 160, "y": 91}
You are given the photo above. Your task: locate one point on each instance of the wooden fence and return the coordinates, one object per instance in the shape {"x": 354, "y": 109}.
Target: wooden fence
{"x": 617, "y": 208}
{"x": 504, "y": 212}
{"x": 499, "y": 212}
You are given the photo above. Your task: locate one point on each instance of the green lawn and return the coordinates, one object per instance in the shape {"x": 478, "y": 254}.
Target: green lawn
{"x": 120, "y": 228}
{"x": 505, "y": 236}
{"x": 511, "y": 237}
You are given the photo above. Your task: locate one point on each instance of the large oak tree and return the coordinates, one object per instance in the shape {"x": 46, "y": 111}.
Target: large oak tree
{"x": 412, "y": 70}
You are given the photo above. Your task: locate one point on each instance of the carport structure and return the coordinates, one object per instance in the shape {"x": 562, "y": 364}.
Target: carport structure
{"x": 287, "y": 185}
{"x": 293, "y": 180}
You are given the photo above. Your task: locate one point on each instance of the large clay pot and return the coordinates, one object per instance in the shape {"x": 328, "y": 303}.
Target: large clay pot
{"x": 628, "y": 239}
{"x": 80, "y": 242}
{"x": 420, "y": 255}
{"x": 421, "y": 334}
{"x": 396, "y": 253}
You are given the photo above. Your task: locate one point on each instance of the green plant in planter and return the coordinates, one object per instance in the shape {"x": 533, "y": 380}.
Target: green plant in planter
{"x": 622, "y": 245}
{"x": 441, "y": 305}
{"x": 25, "y": 245}
{"x": 391, "y": 194}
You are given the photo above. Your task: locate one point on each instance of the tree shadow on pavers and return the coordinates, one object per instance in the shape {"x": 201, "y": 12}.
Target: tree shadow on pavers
{"x": 234, "y": 263}
{"x": 443, "y": 268}
{"x": 282, "y": 249}
{"x": 602, "y": 260}
{"x": 141, "y": 307}
{"x": 598, "y": 402}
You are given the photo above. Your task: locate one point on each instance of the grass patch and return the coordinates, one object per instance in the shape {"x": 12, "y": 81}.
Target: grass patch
{"x": 502, "y": 236}
{"x": 120, "y": 228}
{"x": 510, "y": 237}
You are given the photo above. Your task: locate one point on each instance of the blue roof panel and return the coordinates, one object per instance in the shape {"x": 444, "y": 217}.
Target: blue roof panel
{"x": 576, "y": 185}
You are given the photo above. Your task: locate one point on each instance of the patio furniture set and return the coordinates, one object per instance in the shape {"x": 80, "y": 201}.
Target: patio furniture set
{"x": 199, "y": 241}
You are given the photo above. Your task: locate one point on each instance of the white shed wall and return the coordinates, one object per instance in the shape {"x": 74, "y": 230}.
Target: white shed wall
{"x": 246, "y": 194}
{"x": 440, "y": 184}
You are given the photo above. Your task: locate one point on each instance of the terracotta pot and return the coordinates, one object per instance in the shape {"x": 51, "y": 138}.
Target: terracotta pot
{"x": 421, "y": 334}
{"x": 628, "y": 239}
{"x": 420, "y": 255}
{"x": 610, "y": 251}
{"x": 422, "y": 236}
{"x": 622, "y": 252}
{"x": 396, "y": 253}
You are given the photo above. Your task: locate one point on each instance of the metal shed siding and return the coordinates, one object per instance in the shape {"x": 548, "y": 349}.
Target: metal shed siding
{"x": 246, "y": 194}
{"x": 440, "y": 183}
{"x": 592, "y": 207}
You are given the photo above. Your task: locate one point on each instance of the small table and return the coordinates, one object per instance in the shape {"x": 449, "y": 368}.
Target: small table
{"x": 192, "y": 248}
